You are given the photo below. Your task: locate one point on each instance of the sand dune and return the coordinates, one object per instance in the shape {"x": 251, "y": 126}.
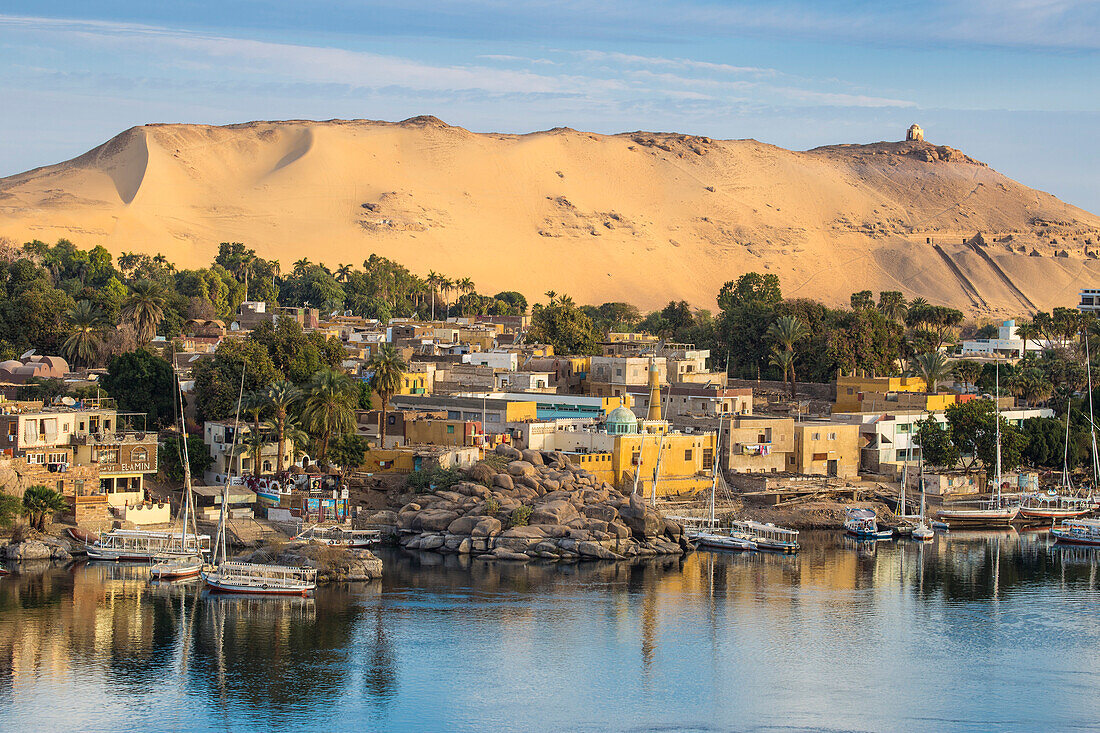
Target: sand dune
{"x": 642, "y": 217}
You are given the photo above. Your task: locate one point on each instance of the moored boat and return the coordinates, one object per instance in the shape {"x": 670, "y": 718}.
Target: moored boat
{"x": 340, "y": 537}
{"x": 863, "y": 524}
{"x": 176, "y": 567}
{"x": 1077, "y": 532}
{"x": 144, "y": 545}
{"x": 768, "y": 536}
{"x": 1055, "y": 506}
{"x": 254, "y": 578}
{"x": 720, "y": 541}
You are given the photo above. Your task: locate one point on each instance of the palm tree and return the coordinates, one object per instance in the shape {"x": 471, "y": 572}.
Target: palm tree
{"x": 144, "y": 309}
{"x": 244, "y": 268}
{"x": 551, "y": 295}
{"x": 448, "y": 285}
{"x": 466, "y": 285}
{"x": 891, "y": 303}
{"x": 281, "y": 395}
{"x": 301, "y": 265}
{"x": 298, "y": 437}
{"x": 785, "y": 361}
{"x": 343, "y": 272}
{"x": 1026, "y": 331}
{"x": 252, "y": 444}
{"x": 435, "y": 280}
{"x": 329, "y": 406}
{"x": 40, "y": 503}
{"x": 968, "y": 372}
{"x": 84, "y": 344}
{"x": 933, "y": 367}
{"x": 388, "y": 368}
{"x": 786, "y": 331}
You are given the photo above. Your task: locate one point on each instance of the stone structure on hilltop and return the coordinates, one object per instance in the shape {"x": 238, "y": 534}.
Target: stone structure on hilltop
{"x": 540, "y": 505}
{"x": 914, "y": 133}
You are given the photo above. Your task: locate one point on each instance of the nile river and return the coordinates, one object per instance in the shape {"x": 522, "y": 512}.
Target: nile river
{"x": 975, "y": 631}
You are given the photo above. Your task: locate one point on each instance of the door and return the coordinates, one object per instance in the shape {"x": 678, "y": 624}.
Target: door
{"x": 831, "y": 468}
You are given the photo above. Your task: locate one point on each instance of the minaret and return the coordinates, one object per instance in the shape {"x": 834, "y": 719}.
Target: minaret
{"x": 654, "y": 391}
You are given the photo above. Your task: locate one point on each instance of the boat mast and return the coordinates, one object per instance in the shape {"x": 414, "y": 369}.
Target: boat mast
{"x": 1066, "y": 481}
{"x": 1092, "y": 425}
{"x": 220, "y": 541}
{"x": 638, "y": 468}
{"x": 188, "y": 499}
{"x": 920, "y": 478}
{"x": 997, "y": 421}
{"x": 905, "y": 477}
{"x": 657, "y": 471}
{"x": 714, "y": 482}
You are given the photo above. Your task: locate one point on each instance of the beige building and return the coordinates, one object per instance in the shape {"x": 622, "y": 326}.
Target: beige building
{"x": 219, "y": 438}
{"x": 825, "y": 448}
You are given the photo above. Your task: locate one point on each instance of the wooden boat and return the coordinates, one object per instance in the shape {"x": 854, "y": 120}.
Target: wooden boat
{"x": 83, "y": 536}
{"x": 176, "y": 567}
{"x": 1054, "y": 506}
{"x": 1077, "y": 532}
{"x": 921, "y": 531}
{"x": 768, "y": 536}
{"x": 340, "y": 537}
{"x": 144, "y": 545}
{"x": 720, "y": 541}
{"x": 863, "y": 524}
{"x": 253, "y": 578}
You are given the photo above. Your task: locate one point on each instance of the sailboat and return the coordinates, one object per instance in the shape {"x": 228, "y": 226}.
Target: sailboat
{"x": 1063, "y": 504}
{"x": 711, "y": 537}
{"x": 179, "y": 567}
{"x": 922, "y": 531}
{"x": 165, "y": 548}
{"x": 994, "y": 512}
{"x": 245, "y": 577}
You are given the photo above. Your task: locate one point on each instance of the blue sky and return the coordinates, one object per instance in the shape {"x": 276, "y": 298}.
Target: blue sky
{"x": 1011, "y": 82}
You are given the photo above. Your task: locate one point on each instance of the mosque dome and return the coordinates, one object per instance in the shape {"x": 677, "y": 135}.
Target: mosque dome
{"x": 621, "y": 420}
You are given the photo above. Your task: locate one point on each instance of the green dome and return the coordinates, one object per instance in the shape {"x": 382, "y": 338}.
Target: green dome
{"x": 621, "y": 420}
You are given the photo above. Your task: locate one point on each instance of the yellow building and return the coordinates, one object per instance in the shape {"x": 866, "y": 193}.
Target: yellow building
{"x": 919, "y": 401}
{"x": 825, "y": 448}
{"x": 419, "y": 379}
{"x": 849, "y": 389}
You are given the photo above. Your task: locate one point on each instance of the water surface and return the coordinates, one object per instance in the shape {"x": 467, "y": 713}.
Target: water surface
{"x": 975, "y": 631}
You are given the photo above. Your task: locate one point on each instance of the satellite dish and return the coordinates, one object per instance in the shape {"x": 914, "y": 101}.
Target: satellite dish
{"x": 194, "y": 358}
{"x": 28, "y": 352}
{"x": 69, "y": 401}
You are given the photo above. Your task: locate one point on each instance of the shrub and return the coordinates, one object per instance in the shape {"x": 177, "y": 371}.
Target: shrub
{"x": 521, "y": 516}
{"x": 433, "y": 478}
{"x": 492, "y": 507}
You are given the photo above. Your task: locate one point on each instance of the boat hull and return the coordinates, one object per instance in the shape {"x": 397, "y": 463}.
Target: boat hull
{"x": 719, "y": 542}
{"x": 181, "y": 574}
{"x": 1053, "y": 513}
{"x": 1067, "y": 539}
{"x": 775, "y": 546}
{"x": 978, "y": 517}
{"x": 221, "y": 585}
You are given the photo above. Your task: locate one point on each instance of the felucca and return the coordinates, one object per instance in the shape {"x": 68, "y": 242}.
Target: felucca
{"x": 246, "y": 577}
{"x": 711, "y": 537}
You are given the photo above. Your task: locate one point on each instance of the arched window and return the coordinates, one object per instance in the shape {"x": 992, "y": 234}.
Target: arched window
{"x": 139, "y": 455}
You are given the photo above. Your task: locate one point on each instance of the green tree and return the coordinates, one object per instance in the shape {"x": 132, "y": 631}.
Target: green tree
{"x": 84, "y": 344}
{"x": 968, "y": 372}
{"x": 40, "y": 504}
{"x": 170, "y": 457}
{"x": 515, "y": 300}
{"x": 891, "y": 303}
{"x": 935, "y": 444}
{"x": 933, "y": 367}
{"x": 282, "y": 395}
{"x": 141, "y": 381}
{"x": 972, "y": 430}
{"x": 565, "y": 327}
{"x": 144, "y": 309}
{"x": 348, "y": 450}
{"x": 862, "y": 299}
{"x": 784, "y": 360}
{"x": 218, "y": 379}
{"x": 786, "y": 331}
{"x": 329, "y": 407}
{"x": 752, "y": 287}
{"x": 386, "y": 368}
{"x": 11, "y": 509}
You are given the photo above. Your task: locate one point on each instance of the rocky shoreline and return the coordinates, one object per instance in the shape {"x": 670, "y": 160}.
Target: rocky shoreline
{"x": 533, "y": 505}
{"x": 334, "y": 564}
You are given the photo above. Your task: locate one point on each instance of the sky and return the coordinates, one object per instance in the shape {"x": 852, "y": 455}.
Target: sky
{"x": 1015, "y": 83}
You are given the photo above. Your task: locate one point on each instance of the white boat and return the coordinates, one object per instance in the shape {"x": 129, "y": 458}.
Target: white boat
{"x": 721, "y": 541}
{"x": 863, "y": 524}
{"x": 246, "y": 577}
{"x": 250, "y": 577}
{"x": 921, "y": 531}
{"x": 1077, "y": 532}
{"x": 176, "y": 567}
{"x": 144, "y": 545}
{"x": 996, "y": 511}
{"x": 767, "y": 536}
{"x": 339, "y": 536}
{"x": 1055, "y": 506}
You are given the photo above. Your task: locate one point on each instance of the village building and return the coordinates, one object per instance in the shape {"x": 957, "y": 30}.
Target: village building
{"x": 825, "y": 448}
{"x": 220, "y": 436}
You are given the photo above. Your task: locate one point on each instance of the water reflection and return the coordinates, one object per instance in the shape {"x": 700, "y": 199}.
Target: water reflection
{"x": 459, "y": 643}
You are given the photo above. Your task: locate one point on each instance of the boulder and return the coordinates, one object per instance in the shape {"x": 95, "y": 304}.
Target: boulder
{"x": 482, "y": 473}
{"x": 463, "y": 525}
{"x": 451, "y": 496}
{"x": 556, "y": 511}
{"x": 648, "y": 525}
{"x": 507, "y": 451}
{"x": 383, "y": 517}
{"x": 619, "y": 530}
{"x": 521, "y": 468}
{"x": 433, "y": 520}
{"x": 504, "y": 481}
{"x": 29, "y": 550}
{"x": 470, "y": 489}
{"x": 552, "y": 530}
{"x": 604, "y": 512}
{"x": 591, "y": 549}
{"x": 431, "y": 541}
{"x": 525, "y": 532}
{"x": 502, "y": 553}
{"x": 529, "y": 481}
{"x": 486, "y": 527}
{"x": 550, "y": 485}
{"x": 532, "y": 456}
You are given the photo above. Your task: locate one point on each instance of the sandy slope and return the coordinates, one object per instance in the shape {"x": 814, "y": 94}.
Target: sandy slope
{"x": 641, "y": 217}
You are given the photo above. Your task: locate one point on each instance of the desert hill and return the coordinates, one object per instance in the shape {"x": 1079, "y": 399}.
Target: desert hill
{"x": 642, "y": 217}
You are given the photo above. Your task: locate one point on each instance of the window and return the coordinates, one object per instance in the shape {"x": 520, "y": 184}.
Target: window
{"x": 820, "y": 456}
{"x": 816, "y": 436}
{"x": 81, "y": 428}
{"x": 708, "y": 459}
{"x": 450, "y": 430}
{"x": 903, "y": 427}
{"x": 57, "y": 458}
{"x": 139, "y": 455}
{"x": 108, "y": 455}
{"x": 636, "y": 459}
{"x": 687, "y": 454}
{"x": 832, "y": 436}
{"x": 36, "y": 458}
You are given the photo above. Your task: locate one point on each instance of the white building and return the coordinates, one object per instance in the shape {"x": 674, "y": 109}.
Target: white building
{"x": 1007, "y": 343}
{"x": 506, "y": 360}
{"x": 1090, "y": 301}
